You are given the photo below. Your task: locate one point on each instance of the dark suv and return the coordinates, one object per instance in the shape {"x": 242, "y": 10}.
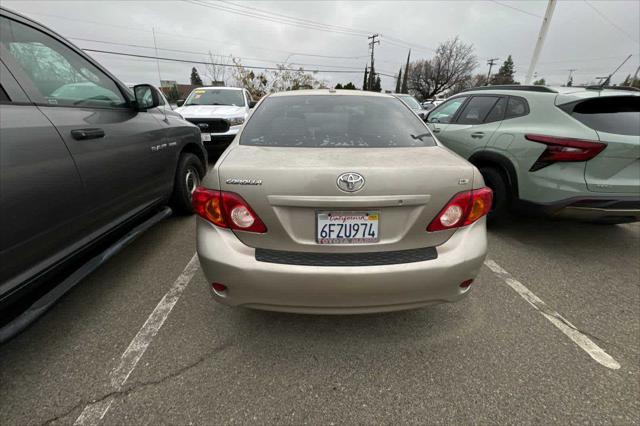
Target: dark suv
{"x": 81, "y": 155}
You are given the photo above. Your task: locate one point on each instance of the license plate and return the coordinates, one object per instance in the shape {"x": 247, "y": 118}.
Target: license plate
{"x": 359, "y": 227}
{"x": 206, "y": 137}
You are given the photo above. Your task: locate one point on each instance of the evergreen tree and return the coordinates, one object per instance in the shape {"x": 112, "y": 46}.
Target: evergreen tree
{"x": 372, "y": 78}
{"x": 505, "y": 73}
{"x": 366, "y": 78}
{"x": 339, "y": 86}
{"x": 377, "y": 86}
{"x": 350, "y": 86}
{"x": 195, "y": 77}
{"x": 540, "y": 82}
{"x": 404, "y": 88}
{"x": 399, "y": 80}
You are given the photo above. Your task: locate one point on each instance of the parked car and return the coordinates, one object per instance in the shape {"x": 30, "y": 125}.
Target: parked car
{"x": 428, "y": 105}
{"x": 413, "y": 104}
{"x": 339, "y": 202}
{"x": 567, "y": 152}
{"x": 82, "y": 158}
{"x": 164, "y": 105}
{"x": 218, "y": 111}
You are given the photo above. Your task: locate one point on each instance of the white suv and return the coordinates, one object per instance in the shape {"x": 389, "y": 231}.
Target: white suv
{"x": 219, "y": 112}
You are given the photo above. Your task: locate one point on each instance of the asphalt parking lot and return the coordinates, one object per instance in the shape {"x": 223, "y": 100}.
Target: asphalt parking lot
{"x": 549, "y": 334}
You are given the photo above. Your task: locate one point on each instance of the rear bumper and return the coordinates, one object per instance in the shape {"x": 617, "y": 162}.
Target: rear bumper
{"x": 338, "y": 289}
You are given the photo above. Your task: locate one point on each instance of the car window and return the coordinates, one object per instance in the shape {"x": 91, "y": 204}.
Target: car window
{"x": 445, "y": 112}
{"x": 3, "y": 95}
{"x": 616, "y": 114}
{"x": 60, "y": 75}
{"x": 411, "y": 101}
{"x": 517, "y": 107}
{"x": 497, "y": 112}
{"x": 476, "y": 110}
{"x": 327, "y": 121}
{"x": 215, "y": 97}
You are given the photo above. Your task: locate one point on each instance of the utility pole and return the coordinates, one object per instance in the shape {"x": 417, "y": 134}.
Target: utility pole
{"x": 153, "y": 30}
{"x": 372, "y": 45}
{"x": 541, "y": 36}
{"x": 491, "y": 62}
{"x": 570, "y": 79}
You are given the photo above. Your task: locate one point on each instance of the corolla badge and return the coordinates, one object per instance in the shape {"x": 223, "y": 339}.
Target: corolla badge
{"x": 350, "y": 182}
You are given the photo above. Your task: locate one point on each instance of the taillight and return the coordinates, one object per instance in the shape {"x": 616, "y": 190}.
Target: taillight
{"x": 463, "y": 209}
{"x": 227, "y": 210}
{"x": 564, "y": 150}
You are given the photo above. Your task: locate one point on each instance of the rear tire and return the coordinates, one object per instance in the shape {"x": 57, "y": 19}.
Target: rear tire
{"x": 501, "y": 194}
{"x": 188, "y": 176}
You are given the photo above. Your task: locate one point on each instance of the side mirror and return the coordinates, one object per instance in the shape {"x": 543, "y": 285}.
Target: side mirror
{"x": 146, "y": 96}
{"x": 180, "y": 102}
{"x": 252, "y": 104}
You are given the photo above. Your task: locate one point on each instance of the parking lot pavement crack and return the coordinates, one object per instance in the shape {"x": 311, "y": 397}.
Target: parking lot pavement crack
{"x": 135, "y": 386}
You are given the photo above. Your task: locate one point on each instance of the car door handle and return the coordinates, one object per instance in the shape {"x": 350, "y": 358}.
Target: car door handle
{"x": 477, "y": 135}
{"x": 83, "y": 134}
{"x": 436, "y": 130}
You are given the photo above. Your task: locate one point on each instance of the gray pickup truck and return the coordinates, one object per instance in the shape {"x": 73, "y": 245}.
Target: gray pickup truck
{"x": 84, "y": 161}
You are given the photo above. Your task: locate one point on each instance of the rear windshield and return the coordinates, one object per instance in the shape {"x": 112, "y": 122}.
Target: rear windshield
{"x": 335, "y": 121}
{"x": 616, "y": 114}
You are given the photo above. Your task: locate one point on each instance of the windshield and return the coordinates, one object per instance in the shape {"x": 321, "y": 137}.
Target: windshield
{"x": 215, "y": 97}
{"x": 411, "y": 101}
{"x": 320, "y": 121}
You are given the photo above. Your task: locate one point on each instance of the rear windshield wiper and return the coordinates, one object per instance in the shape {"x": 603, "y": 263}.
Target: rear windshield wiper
{"x": 420, "y": 136}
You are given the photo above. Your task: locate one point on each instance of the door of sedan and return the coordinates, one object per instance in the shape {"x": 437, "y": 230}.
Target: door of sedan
{"x": 119, "y": 151}
{"x": 475, "y": 124}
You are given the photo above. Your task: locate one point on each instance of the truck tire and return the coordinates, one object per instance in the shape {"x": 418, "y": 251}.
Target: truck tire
{"x": 188, "y": 176}
{"x": 501, "y": 194}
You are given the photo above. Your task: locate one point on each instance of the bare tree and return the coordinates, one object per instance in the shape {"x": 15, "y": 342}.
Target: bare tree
{"x": 286, "y": 78}
{"x": 281, "y": 79}
{"x": 256, "y": 84}
{"x": 477, "y": 80}
{"x": 217, "y": 71}
{"x": 452, "y": 64}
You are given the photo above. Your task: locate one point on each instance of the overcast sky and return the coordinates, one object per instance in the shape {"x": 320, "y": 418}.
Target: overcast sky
{"x": 592, "y": 37}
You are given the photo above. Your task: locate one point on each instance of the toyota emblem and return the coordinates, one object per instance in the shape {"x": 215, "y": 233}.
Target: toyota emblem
{"x": 350, "y": 182}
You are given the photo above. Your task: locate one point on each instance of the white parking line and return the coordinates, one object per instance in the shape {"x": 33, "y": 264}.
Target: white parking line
{"x": 586, "y": 344}
{"x": 94, "y": 413}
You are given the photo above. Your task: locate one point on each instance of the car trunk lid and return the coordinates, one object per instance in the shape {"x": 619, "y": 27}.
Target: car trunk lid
{"x": 288, "y": 187}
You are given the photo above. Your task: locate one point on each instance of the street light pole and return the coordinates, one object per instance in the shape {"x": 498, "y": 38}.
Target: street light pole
{"x": 541, "y": 36}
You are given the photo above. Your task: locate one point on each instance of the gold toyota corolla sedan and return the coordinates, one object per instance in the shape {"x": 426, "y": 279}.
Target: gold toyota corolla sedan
{"x": 339, "y": 202}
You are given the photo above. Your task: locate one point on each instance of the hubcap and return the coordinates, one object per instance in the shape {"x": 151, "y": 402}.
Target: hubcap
{"x": 192, "y": 180}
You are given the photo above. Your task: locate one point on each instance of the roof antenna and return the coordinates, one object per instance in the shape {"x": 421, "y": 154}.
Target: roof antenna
{"x": 607, "y": 81}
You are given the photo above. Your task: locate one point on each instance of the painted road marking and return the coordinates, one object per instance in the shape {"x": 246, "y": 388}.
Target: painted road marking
{"x": 94, "y": 413}
{"x": 586, "y": 344}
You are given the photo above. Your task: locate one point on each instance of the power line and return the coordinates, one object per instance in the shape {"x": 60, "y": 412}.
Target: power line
{"x": 338, "y": 27}
{"x": 517, "y": 8}
{"x": 299, "y": 22}
{"x": 173, "y": 35}
{"x": 613, "y": 24}
{"x": 262, "y": 16}
{"x": 207, "y": 53}
{"x": 132, "y": 55}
